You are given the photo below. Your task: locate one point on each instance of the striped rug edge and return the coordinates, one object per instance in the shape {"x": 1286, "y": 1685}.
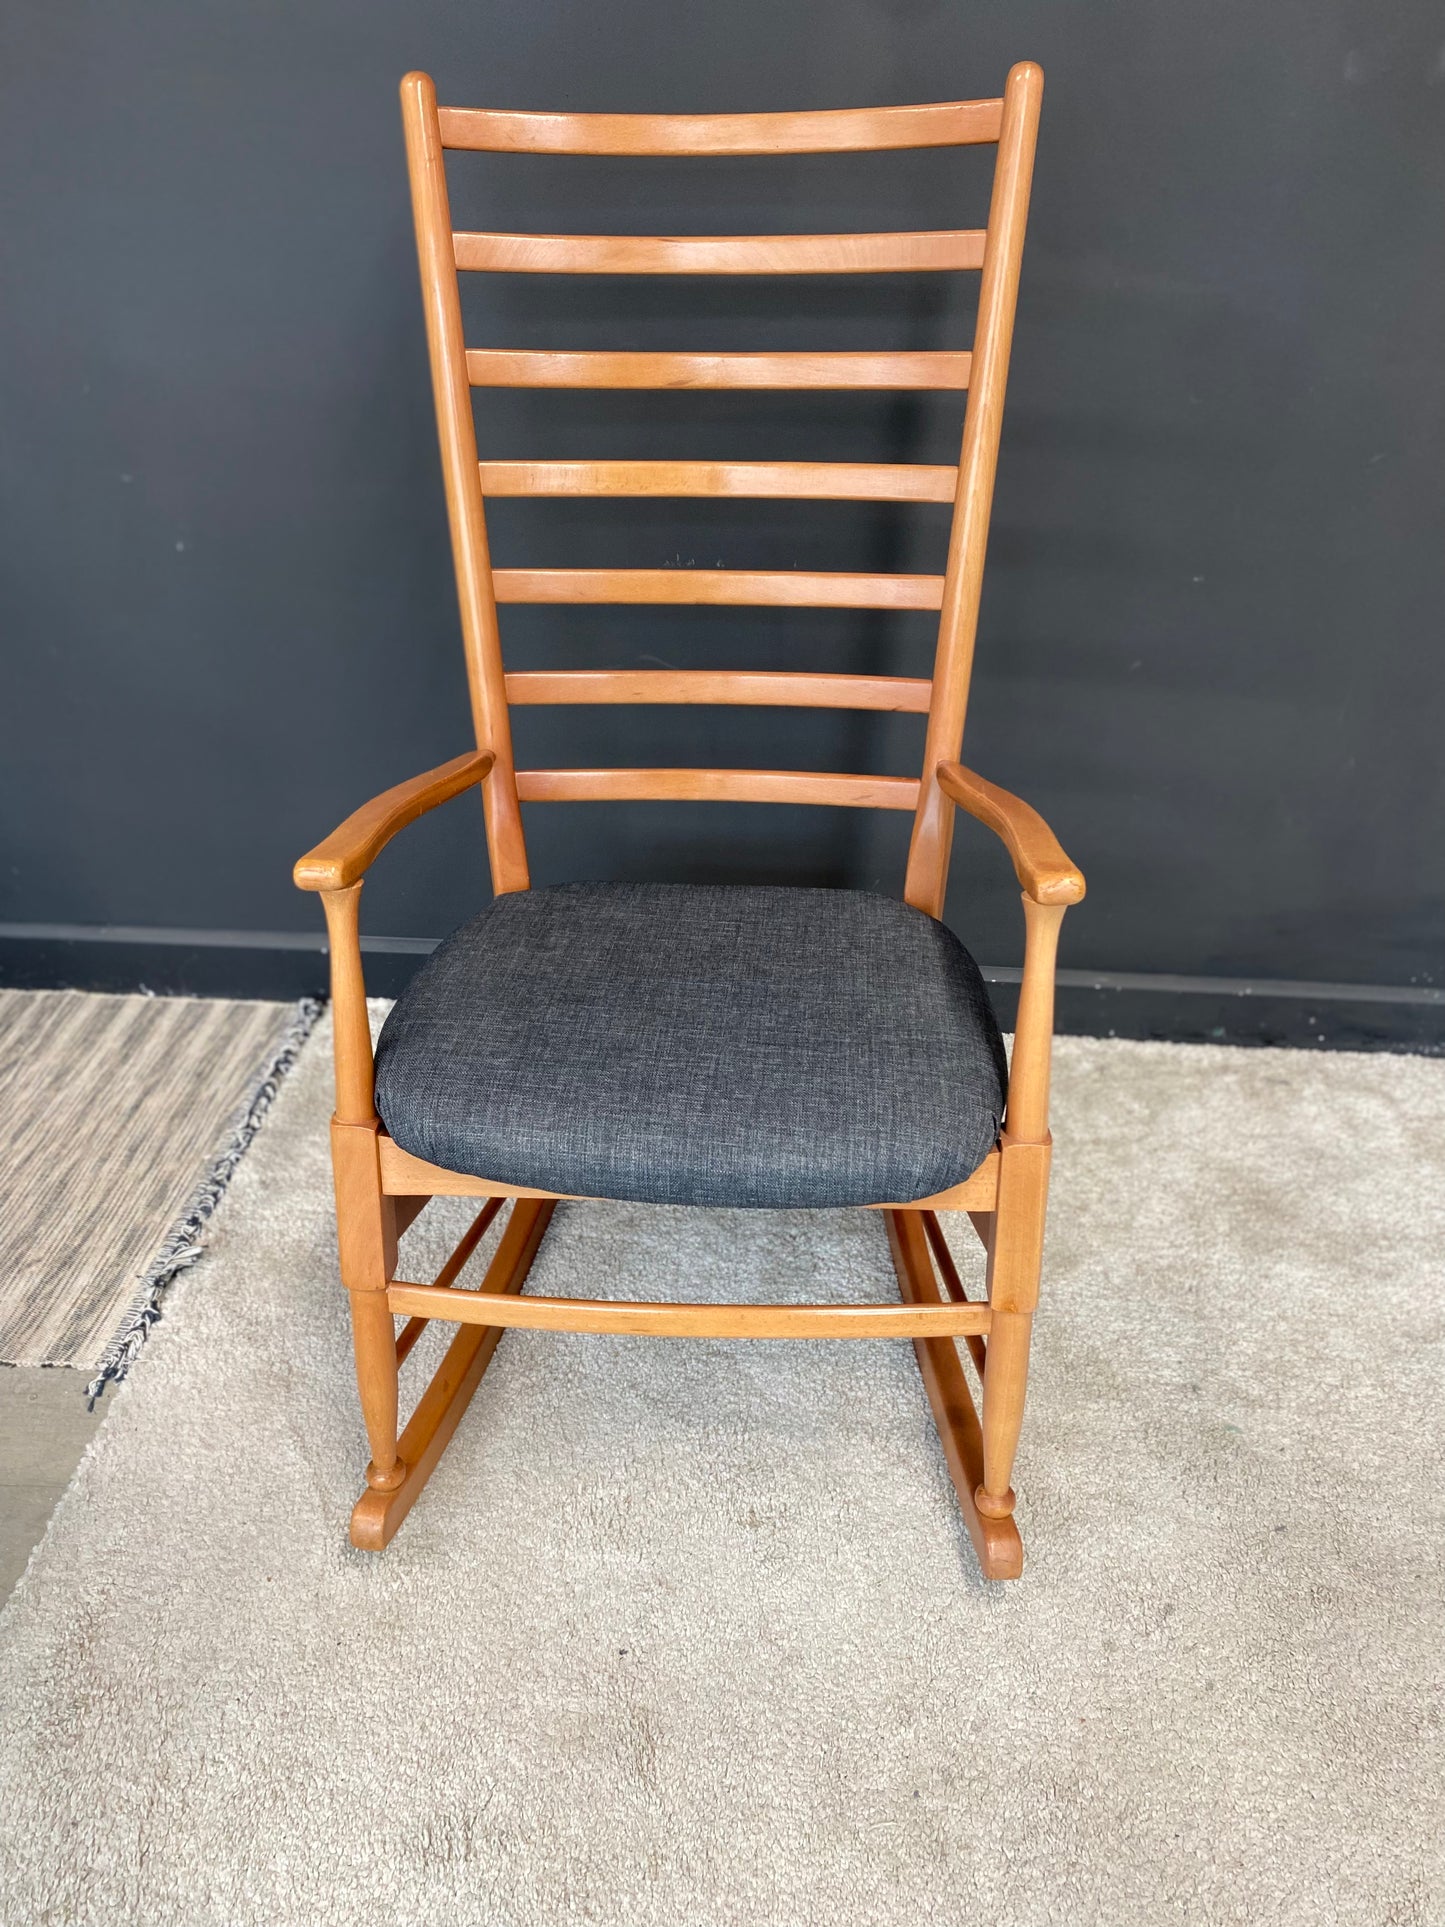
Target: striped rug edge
{"x": 184, "y": 1243}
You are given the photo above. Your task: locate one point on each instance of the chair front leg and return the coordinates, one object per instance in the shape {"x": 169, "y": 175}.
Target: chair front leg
{"x": 1005, "y": 1380}
{"x": 373, "y": 1337}
{"x": 1014, "y": 1260}
{"x": 361, "y": 1224}
{"x": 1017, "y": 1243}
{"x": 366, "y": 1228}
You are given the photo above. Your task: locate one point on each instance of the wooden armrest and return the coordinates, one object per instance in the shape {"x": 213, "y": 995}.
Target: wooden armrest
{"x": 1045, "y": 873}
{"x": 349, "y": 851}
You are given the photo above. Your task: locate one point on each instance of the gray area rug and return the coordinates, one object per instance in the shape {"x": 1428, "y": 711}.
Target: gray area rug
{"x": 691, "y": 1633}
{"x": 121, "y": 1119}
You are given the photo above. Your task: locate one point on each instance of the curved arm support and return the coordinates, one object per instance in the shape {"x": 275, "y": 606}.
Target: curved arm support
{"x": 336, "y": 868}
{"x": 1026, "y": 1119}
{"x": 345, "y": 856}
{"x": 1050, "y": 884}
{"x": 1044, "y": 872}
{"x": 351, "y": 1025}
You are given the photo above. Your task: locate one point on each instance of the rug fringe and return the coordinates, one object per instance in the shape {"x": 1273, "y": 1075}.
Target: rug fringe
{"x": 184, "y": 1242}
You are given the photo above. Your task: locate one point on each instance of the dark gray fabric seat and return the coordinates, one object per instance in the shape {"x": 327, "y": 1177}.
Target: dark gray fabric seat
{"x": 681, "y": 1044}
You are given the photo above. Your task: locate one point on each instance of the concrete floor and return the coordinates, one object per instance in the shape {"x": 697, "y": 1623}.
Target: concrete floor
{"x": 44, "y": 1428}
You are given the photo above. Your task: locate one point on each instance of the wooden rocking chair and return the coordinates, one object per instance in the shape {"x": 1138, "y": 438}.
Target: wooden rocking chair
{"x": 734, "y": 1095}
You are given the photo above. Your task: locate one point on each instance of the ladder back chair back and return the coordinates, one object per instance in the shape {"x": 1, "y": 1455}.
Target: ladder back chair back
{"x": 382, "y": 1186}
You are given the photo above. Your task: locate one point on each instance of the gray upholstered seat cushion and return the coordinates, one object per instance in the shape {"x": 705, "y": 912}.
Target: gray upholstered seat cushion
{"x": 681, "y": 1044}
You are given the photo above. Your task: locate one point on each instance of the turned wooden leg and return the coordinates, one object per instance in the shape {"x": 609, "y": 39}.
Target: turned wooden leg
{"x": 996, "y": 1541}
{"x": 1015, "y": 1256}
{"x": 1005, "y": 1377}
{"x": 373, "y": 1334}
{"x": 381, "y": 1508}
{"x": 368, "y": 1223}
{"x": 367, "y": 1233}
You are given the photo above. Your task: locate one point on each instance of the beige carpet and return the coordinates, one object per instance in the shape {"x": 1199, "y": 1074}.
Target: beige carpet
{"x": 121, "y": 1118}
{"x": 690, "y": 1633}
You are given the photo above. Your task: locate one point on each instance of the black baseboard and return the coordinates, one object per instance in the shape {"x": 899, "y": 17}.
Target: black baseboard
{"x": 207, "y": 963}
{"x": 1259, "y": 1018}
{"x": 284, "y": 964}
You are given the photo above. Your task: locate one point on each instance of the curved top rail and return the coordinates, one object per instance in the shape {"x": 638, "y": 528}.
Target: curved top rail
{"x": 846, "y": 130}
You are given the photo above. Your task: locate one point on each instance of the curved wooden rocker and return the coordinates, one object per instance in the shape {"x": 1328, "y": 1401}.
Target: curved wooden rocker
{"x": 380, "y": 1187}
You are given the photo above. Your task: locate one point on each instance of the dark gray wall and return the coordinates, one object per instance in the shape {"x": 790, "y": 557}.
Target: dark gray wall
{"x": 1211, "y": 635}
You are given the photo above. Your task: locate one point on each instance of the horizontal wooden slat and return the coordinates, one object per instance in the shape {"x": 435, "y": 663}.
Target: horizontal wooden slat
{"x": 932, "y": 368}
{"x": 688, "y": 1321}
{"x": 905, "y": 253}
{"x": 760, "y": 588}
{"x": 848, "y": 130}
{"x": 773, "y": 688}
{"x": 805, "y": 481}
{"x": 716, "y": 786}
{"x": 405, "y": 1176}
